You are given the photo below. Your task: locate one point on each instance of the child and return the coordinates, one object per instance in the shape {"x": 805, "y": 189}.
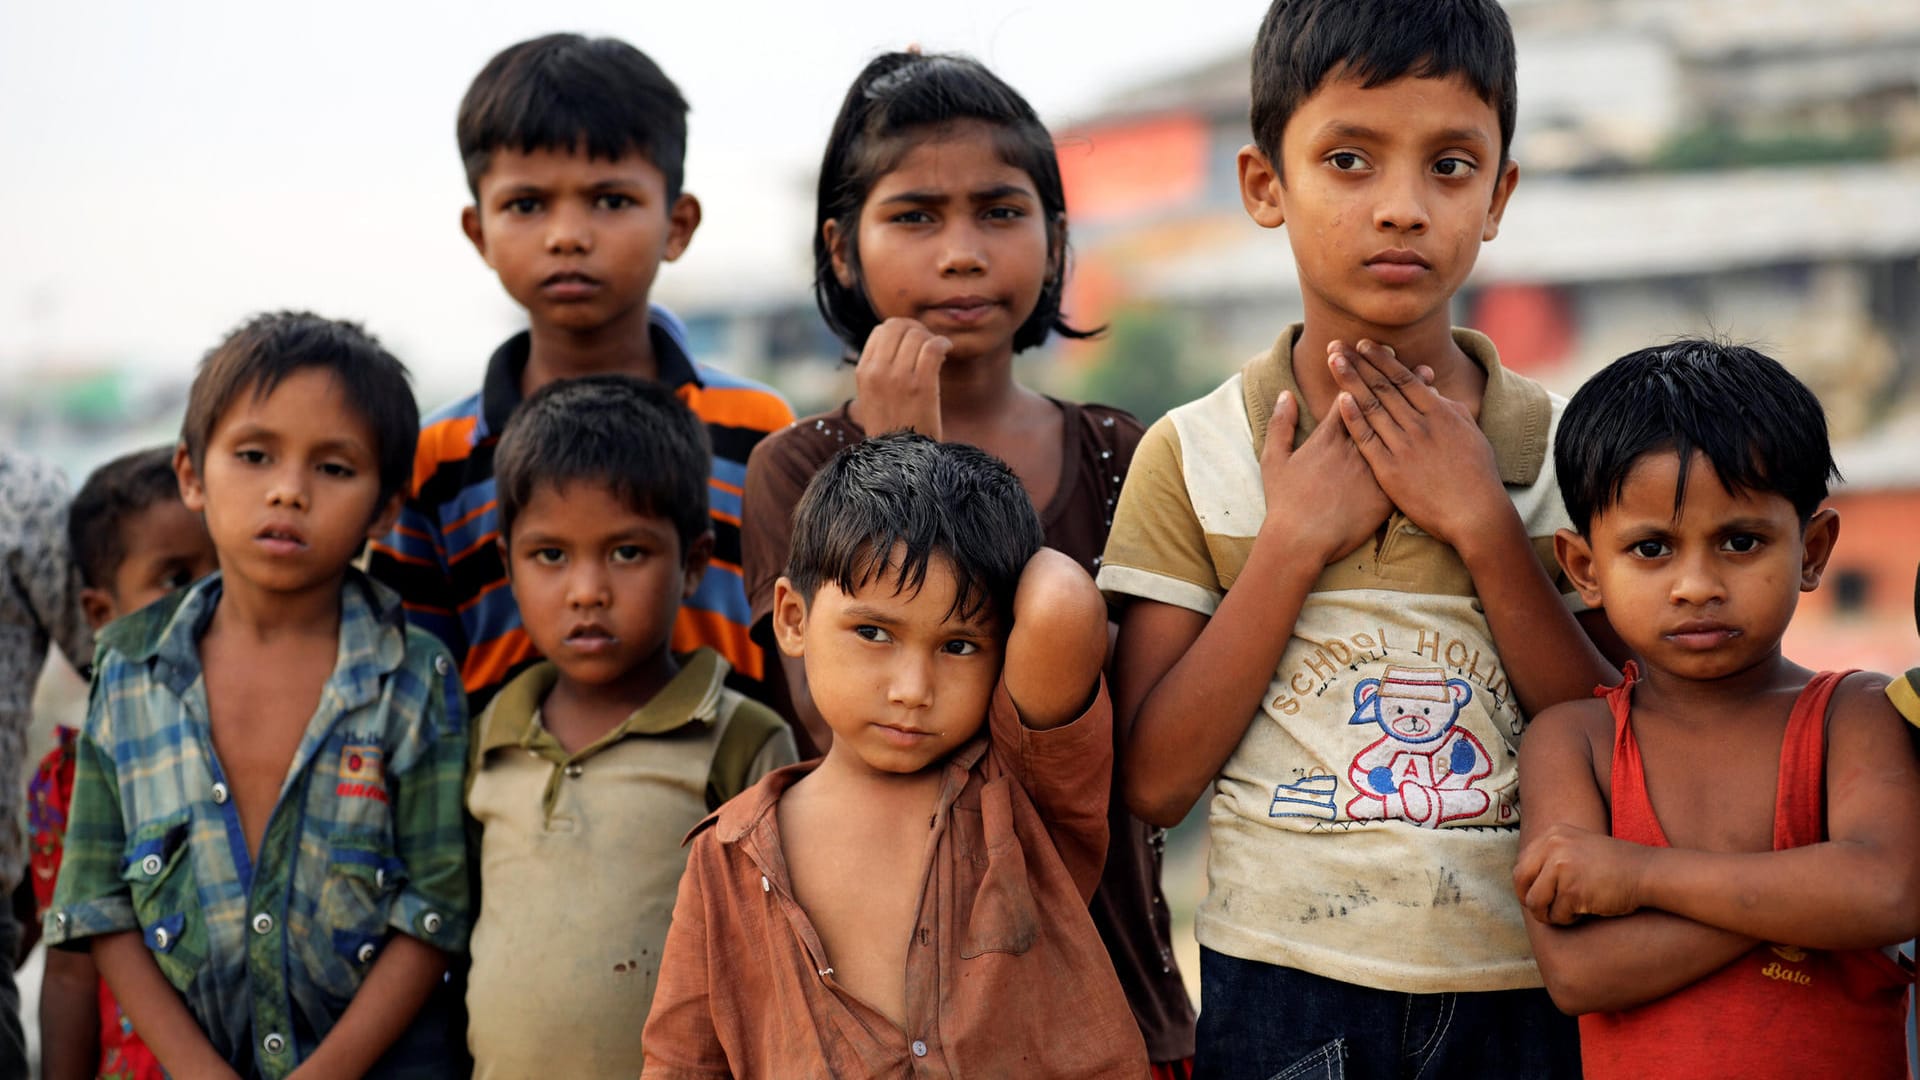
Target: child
{"x": 1694, "y": 473}
{"x": 589, "y": 768}
{"x": 1338, "y": 621}
{"x": 939, "y": 252}
{"x": 39, "y": 606}
{"x": 573, "y": 151}
{"x": 821, "y": 929}
{"x": 133, "y": 541}
{"x": 265, "y": 852}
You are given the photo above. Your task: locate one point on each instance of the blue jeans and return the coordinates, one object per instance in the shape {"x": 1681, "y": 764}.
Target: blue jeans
{"x": 1261, "y": 1022}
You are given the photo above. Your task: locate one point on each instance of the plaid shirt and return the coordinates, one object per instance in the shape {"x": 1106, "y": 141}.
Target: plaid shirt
{"x": 367, "y": 837}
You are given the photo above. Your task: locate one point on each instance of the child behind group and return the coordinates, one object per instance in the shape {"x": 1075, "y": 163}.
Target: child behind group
{"x": 591, "y": 766}
{"x": 940, "y": 246}
{"x": 265, "y": 851}
{"x": 1714, "y": 856}
{"x": 916, "y": 900}
{"x": 573, "y": 150}
{"x": 1338, "y": 605}
{"x": 133, "y": 541}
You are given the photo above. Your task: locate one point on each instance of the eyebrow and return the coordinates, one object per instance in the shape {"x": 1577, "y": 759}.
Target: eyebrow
{"x": 986, "y": 194}
{"x": 1345, "y": 130}
{"x": 248, "y": 431}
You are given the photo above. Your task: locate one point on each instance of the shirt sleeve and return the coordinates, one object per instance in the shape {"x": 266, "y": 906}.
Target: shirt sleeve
{"x": 680, "y": 1040}
{"x": 755, "y": 743}
{"x": 1068, "y": 773}
{"x": 777, "y": 474}
{"x": 430, "y": 837}
{"x": 1157, "y": 549}
{"x": 412, "y": 560}
{"x": 1904, "y": 692}
{"x": 91, "y": 898}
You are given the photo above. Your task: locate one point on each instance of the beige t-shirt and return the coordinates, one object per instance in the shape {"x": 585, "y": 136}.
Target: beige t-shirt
{"x": 1365, "y": 828}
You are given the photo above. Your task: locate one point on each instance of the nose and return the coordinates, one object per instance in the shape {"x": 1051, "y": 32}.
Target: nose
{"x": 1401, "y": 206}
{"x": 569, "y": 229}
{"x": 910, "y": 682}
{"x": 288, "y": 487}
{"x": 587, "y": 585}
{"x": 964, "y": 255}
{"x": 1697, "y": 580}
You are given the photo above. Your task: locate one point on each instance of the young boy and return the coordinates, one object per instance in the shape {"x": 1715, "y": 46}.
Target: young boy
{"x": 133, "y": 541}
{"x": 916, "y": 901}
{"x": 1661, "y": 894}
{"x": 265, "y": 852}
{"x": 591, "y": 767}
{"x": 573, "y": 150}
{"x": 1339, "y": 607}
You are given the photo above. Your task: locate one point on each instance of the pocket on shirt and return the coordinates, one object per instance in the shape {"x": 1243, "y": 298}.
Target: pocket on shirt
{"x": 158, "y": 871}
{"x": 350, "y": 914}
{"x": 1002, "y": 917}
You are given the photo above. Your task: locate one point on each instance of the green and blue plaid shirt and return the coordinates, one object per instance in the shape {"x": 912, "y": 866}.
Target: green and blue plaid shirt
{"x": 367, "y": 838}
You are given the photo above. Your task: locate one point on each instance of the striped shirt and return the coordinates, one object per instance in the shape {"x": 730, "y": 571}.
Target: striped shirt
{"x": 367, "y": 839}
{"x": 443, "y": 554}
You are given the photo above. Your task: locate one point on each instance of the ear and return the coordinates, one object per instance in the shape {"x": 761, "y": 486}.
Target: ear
{"x": 1576, "y": 558}
{"x": 99, "y": 606}
{"x": 382, "y": 522}
{"x": 1816, "y": 546}
{"x": 470, "y": 224}
{"x": 699, "y": 553}
{"x": 789, "y": 618}
{"x": 1502, "y": 191}
{"x": 837, "y": 253}
{"x": 683, "y": 217}
{"x": 1260, "y": 189}
{"x": 192, "y": 491}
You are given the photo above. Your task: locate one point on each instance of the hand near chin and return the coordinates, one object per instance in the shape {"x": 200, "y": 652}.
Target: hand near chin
{"x": 897, "y": 382}
{"x": 1566, "y": 873}
{"x": 1425, "y": 450}
{"x": 1058, "y": 643}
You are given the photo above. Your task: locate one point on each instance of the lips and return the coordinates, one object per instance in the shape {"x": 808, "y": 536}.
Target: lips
{"x": 1398, "y": 266}
{"x": 569, "y": 285}
{"x": 590, "y": 639}
{"x": 902, "y": 736}
{"x": 1701, "y": 634}
{"x": 280, "y": 539}
{"x": 962, "y": 310}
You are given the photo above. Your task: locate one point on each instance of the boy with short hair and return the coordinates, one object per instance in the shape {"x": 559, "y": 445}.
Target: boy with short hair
{"x": 265, "y": 851}
{"x": 1339, "y": 608}
{"x": 1716, "y": 855}
{"x": 917, "y": 899}
{"x": 133, "y": 542}
{"x": 591, "y": 766}
{"x": 573, "y": 150}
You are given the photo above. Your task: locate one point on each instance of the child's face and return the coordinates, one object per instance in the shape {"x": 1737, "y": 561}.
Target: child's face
{"x": 577, "y": 240}
{"x": 953, "y": 237}
{"x": 167, "y": 547}
{"x": 1388, "y": 194}
{"x": 1707, "y": 594}
{"x": 901, "y": 682}
{"x": 289, "y": 484}
{"x": 599, "y": 584}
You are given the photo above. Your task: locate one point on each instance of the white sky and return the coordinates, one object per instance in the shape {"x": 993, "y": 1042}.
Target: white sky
{"x": 170, "y": 168}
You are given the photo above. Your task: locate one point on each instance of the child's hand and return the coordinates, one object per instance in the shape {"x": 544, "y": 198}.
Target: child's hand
{"x": 1322, "y": 496}
{"x": 897, "y": 382}
{"x": 1567, "y": 872}
{"x": 1425, "y": 450}
{"x": 1058, "y": 643}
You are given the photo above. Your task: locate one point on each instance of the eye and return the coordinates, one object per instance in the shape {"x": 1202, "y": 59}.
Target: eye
{"x": 525, "y": 204}
{"x": 912, "y": 217}
{"x": 959, "y": 647}
{"x": 613, "y": 200}
{"x": 1004, "y": 213}
{"x": 1454, "y": 168}
{"x": 177, "y": 577}
{"x": 251, "y": 456}
{"x": 628, "y": 553}
{"x": 873, "y": 634}
{"x": 338, "y": 470}
{"x": 547, "y": 556}
{"x": 1649, "y": 549}
{"x": 1742, "y": 544}
{"x": 1346, "y": 161}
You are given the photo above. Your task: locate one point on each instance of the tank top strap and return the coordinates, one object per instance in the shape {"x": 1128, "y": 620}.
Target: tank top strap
{"x": 1630, "y": 811}
{"x": 1800, "y": 806}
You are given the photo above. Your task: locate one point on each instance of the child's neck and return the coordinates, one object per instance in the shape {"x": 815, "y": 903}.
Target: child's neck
{"x": 579, "y": 714}
{"x": 842, "y": 772}
{"x": 248, "y": 613}
{"x": 1429, "y": 342}
{"x": 1711, "y": 699}
{"x": 979, "y": 396}
{"x": 624, "y": 346}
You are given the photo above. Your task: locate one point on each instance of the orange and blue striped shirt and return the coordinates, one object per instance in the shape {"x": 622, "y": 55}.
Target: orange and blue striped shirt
{"x": 443, "y": 558}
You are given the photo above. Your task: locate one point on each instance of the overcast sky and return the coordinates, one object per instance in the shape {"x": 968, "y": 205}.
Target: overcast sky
{"x": 170, "y": 168}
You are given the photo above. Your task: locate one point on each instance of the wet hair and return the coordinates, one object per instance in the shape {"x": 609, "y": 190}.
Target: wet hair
{"x": 270, "y": 347}
{"x": 1759, "y": 427}
{"x": 634, "y": 437}
{"x": 1302, "y": 43}
{"x": 571, "y": 93}
{"x": 898, "y": 100}
{"x": 889, "y": 505}
{"x": 115, "y": 492}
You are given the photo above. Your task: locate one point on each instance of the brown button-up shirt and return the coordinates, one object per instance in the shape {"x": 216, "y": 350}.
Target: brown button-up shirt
{"x": 1005, "y": 974}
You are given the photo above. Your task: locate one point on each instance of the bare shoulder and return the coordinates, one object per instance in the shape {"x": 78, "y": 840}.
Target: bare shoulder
{"x": 1861, "y": 719}
{"x": 1572, "y": 727}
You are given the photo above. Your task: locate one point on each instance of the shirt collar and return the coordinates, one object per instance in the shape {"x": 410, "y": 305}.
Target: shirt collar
{"x": 1515, "y": 414}
{"x": 500, "y": 392}
{"x": 692, "y": 696}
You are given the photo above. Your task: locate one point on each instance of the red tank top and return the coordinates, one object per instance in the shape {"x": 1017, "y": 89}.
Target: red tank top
{"x": 1778, "y": 1011}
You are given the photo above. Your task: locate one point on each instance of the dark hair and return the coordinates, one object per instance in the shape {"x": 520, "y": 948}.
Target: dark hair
{"x": 270, "y": 347}
{"x": 568, "y": 92}
{"x": 1760, "y": 428}
{"x": 1303, "y": 42}
{"x": 905, "y": 491}
{"x": 113, "y": 493}
{"x": 631, "y": 435}
{"x": 897, "y": 98}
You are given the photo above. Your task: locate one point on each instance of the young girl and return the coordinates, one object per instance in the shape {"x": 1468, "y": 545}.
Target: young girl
{"x": 940, "y": 251}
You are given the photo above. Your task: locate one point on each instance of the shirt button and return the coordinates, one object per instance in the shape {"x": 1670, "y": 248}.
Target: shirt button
{"x": 150, "y": 865}
{"x": 430, "y": 922}
{"x": 59, "y": 920}
{"x": 161, "y": 937}
{"x": 765, "y": 885}
{"x": 919, "y": 1048}
{"x": 366, "y": 953}
{"x": 440, "y": 665}
{"x": 380, "y": 878}
{"x": 274, "y": 1043}
{"x": 574, "y": 771}
{"x": 263, "y": 923}
{"x": 220, "y": 794}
